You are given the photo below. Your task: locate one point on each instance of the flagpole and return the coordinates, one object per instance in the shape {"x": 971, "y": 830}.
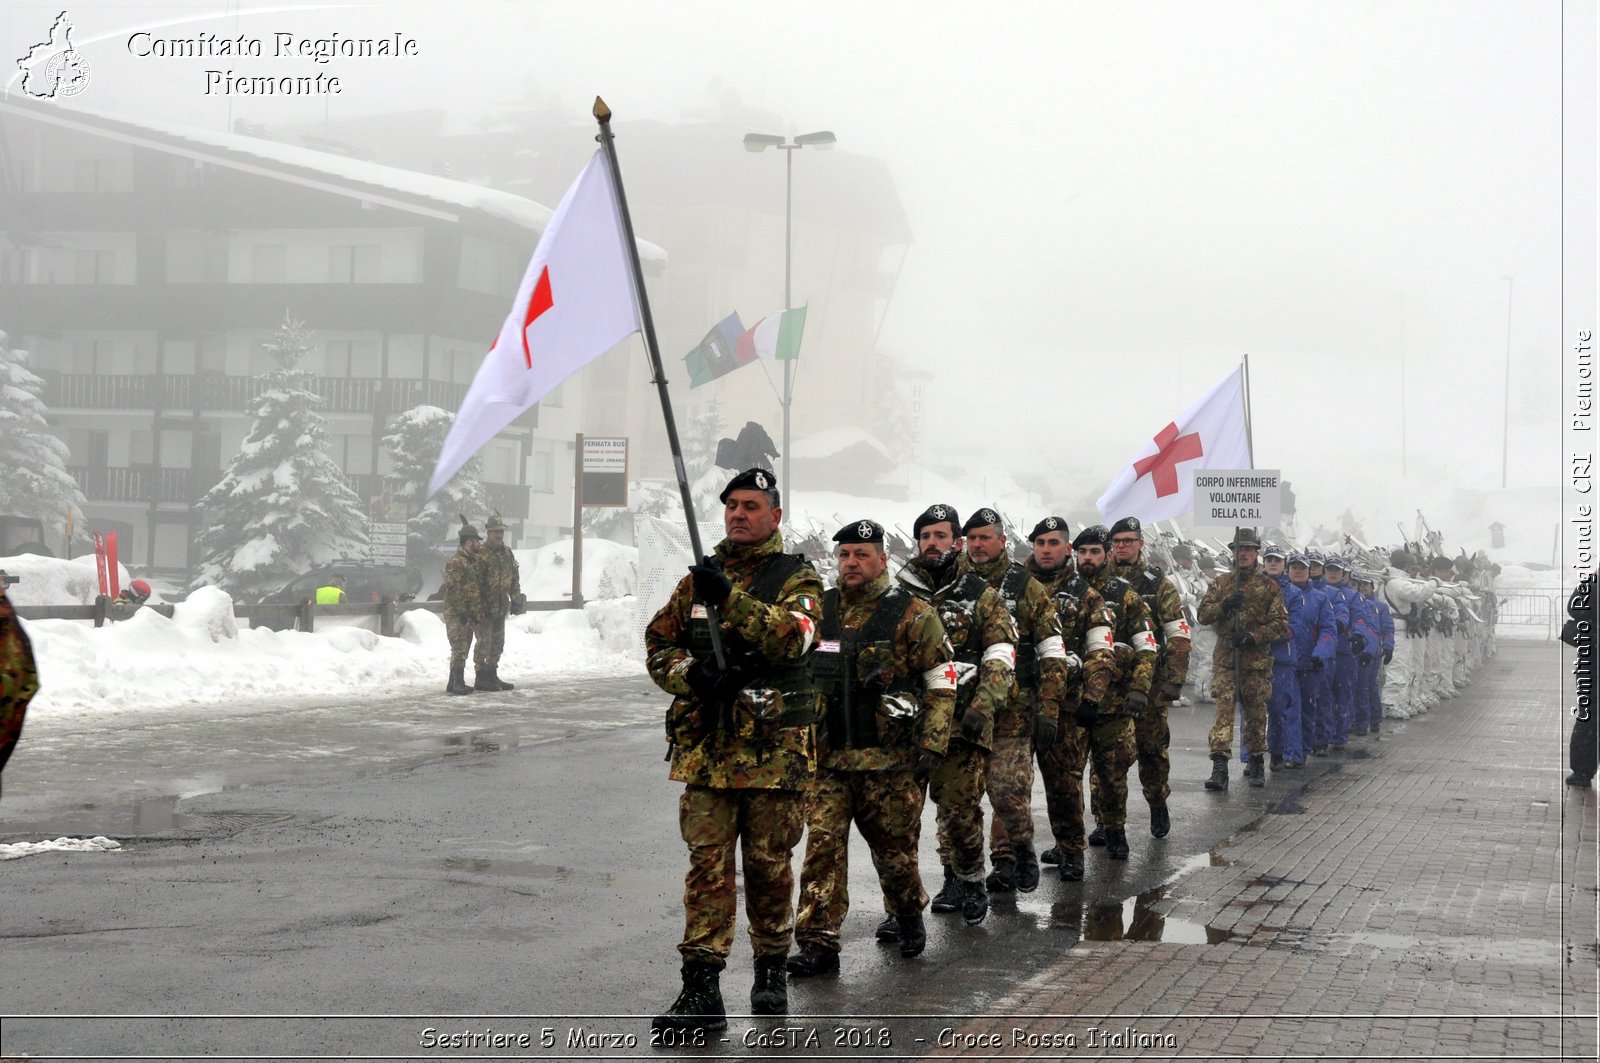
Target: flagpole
{"x": 1249, "y": 438}
{"x": 602, "y": 115}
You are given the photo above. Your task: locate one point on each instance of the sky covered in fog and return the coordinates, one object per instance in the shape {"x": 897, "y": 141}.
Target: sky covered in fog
{"x": 1122, "y": 196}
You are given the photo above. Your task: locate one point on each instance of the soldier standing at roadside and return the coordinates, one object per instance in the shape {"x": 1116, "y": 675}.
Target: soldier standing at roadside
{"x": 463, "y": 604}
{"x": 502, "y": 590}
{"x": 1246, "y": 608}
{"x": 884, "y": 666}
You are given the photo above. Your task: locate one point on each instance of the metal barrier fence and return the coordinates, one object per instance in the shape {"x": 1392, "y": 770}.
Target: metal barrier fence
{"x": 1528, "y": 611}
{"x": 301, "y": 617}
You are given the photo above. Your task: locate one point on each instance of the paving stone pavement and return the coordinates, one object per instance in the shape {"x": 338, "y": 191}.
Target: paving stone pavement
{"x": 1433, "y": 898}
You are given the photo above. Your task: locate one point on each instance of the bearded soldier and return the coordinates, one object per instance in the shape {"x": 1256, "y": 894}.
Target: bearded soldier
{"x": 1151, "y": 733}
{"x": 741, "y": 737}
{"x": 463, "y": 604}
{"x": 1032, "y": 712}
{"x": 1112, "y": 745}
{"x": 502, "y": 592}
{"x": 885, "y": 667}
{"x": 1246, "y": 608}
{"x": 984, "y": 639}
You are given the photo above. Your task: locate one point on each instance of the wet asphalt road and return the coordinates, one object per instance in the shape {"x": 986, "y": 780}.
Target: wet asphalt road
{"x": 512, "y": 855}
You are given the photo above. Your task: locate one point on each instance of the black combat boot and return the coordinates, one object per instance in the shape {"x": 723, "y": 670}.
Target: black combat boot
{"x": 483, "y": 679}
{"x": 1098, "y": 835}
{"x": 948, "y": 899}
{"x": 1116, "y": 843}
{"x": 699, "y": 1004}
{"x": 974, "y": 902}
{"x": 458, "y": 682}
{"x": 811, "y": 959}
{"x": 1051, "y": 855}
{"x": 1219, "y": 772}
{"x": 1255, "y": 772}
{"x": 913, "y": 935}
{"x": 1319, "y": 751}
{"x": 1160, "y": 820}
{"x": 500, "y": 684}
{"x": 1277, "y": 762}
{"x": 888, "y": 931}
{"x": 770, "y": 993}
{"x": 1027, "y": 868}
{"x": 1003, "y": 879}
{"x": 1071, "y": 867}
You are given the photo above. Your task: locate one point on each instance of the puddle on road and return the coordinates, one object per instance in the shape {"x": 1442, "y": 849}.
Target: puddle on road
{"x": 152, "y": 816}
{"x": 527, "y": 869}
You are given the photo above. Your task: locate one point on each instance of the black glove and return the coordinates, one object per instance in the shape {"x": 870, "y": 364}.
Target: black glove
{"x": 1137, "y": 701}
{"x": 1171, "y": 691}
{"x": 926, "y": 764}
{"x": 1244, "y": 640}
{"x": 1364, "y": 659}
{"x": 972, "y": 724}
{"x": 1357, "y": 644}
{"x": 1318, "y": 664}
{"x": 1087, "y": 714}
{"x": 710, "y": 585}
{"x": 518, "y": 606}
{"x": 1044, "y": 732}
{"x": 1388, "y": 655}
{"x": 704, "y": 679}
{"x": 1233, "y": 602}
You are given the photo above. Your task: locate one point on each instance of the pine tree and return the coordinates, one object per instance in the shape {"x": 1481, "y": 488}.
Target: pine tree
{"x": 282, "y": 506}
{"x": 414, "y": 441}
{"x": 34, "y": 481}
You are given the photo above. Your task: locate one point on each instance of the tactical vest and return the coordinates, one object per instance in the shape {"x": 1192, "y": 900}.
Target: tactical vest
{"x": 1112, "y": 592}
{"x": 792, "y": 680}
{"x": 841, "y": 656}
{"x": 958, "y": 611}
{"x": 1146, "y": 584}
{"x": 1013, "y": 586}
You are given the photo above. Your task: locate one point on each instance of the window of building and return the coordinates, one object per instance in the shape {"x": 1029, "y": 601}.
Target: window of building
{"x": 197, "y": 258}
{"x": 141, "y": 447}
{"x": 269, "y": 263}
{"x": 405, "y": 358}
{"x": 92, "y": 175}
{"x": 542, "y": 468}
{"x": 352, "y": 358}
{"x": 354, "y": 264}
{"x": 94, "y": 267}
{"x": 92, "y": 357}
{"x": 178, "y": 357}
{"x": 16, "y": 265}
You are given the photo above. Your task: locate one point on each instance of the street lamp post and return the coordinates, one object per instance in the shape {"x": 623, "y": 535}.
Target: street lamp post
{"x": 761, "y": 142}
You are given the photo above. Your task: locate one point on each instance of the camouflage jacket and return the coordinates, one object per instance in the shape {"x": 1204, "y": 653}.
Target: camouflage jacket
{"x": 1134, "y": 640}
{"x": 913, "y": 667}
{"x": 982, "y": 634}
{"x": 19, "y": 678}
{"x": 1040, "y": 681}
{"x": 766, "y": 740}
{"x": 463, "y": 584}
{"x": 1160, "y": 593}
{"x": 1263, "y": 615}
{"x": 1086, "y": 630}
{"x": 502, "y": 580}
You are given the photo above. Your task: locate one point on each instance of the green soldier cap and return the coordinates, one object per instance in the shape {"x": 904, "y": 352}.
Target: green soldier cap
{"x": 468, "y": 531}
{"x": 1128, "y": 524}
{"x": 495, "y": 523}
{"x": 862, "y": 531}
{"x": 937, "y": 514}
{"x": 1049, "y": 524}
{"x": 981, "y": 519}
{"x": 1093, "y": 535}
{"x": 757, "y": 479}
{"x": 1245, "y": 537}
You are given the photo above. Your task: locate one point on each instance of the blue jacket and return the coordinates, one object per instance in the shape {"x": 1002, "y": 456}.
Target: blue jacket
{"x": 1340, "y": 600}
{"x": 1364, "y": 624}
{"x": 1385, "y": 625}
{"x": 1315, "y": 633}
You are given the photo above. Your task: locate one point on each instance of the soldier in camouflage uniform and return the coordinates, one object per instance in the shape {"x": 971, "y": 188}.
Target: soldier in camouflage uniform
{"x": 1246, "y": 608}
{"x": 984, "y": 639}
{"x": 502, "y": 592}
{"x": 885, "y": 667}
{"x": 1151, "y": 733}
{"x": 1112, "y": 746}
{"x": 19, "y": 678}
{"x": 1031, "y": 714}
{"x": 742, "y": 741}
{"x": 1086, "y": 630}
{"x": 463, "y": 604}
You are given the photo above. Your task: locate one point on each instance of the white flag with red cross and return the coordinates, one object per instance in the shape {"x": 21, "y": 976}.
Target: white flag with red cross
{"x": 1159, "y": 482}
{"x": 576, "y": 302}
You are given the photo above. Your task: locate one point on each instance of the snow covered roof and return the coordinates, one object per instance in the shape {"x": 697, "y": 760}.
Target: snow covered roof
{"x": 406, "y": 190}
{"x": 833, "y": 441}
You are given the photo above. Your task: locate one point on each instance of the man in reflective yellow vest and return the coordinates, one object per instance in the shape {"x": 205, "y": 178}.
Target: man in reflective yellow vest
{"x": 332, "y": 592}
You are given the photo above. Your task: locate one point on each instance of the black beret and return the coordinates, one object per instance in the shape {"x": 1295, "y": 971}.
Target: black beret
{"x": 1049, "y": 524}
{"x": 980, "y": 519}
{"x": 1128, "y": 524}
{"x": 1093, "y": 535}
{"x": 935, "y": 514}
{"x": 862, "y": 531}
{"x": 750, "y": 480}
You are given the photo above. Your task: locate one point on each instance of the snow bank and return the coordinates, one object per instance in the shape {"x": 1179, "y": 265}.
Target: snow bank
{"x": 610, "y": 570}
{"x": 55, "y": 580}
{"x": 97, "y": 844}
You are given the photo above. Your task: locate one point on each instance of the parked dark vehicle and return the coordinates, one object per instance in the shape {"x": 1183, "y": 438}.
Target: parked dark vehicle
{"x": 362, "y": 583}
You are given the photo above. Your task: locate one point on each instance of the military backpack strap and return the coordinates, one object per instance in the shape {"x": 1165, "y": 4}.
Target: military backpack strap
{"x": 832, "y": 615}
{"x": 885, "y": 617}
{"x": 773, "y": 575}
{"x": 1015, "y": 583}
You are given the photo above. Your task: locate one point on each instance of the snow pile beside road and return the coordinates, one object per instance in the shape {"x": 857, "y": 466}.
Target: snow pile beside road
{"x": 209, "y": 612}
{"x": 610, "y": 570}
{"x": 54, "y": 580}
{"x": 97, "y": 844}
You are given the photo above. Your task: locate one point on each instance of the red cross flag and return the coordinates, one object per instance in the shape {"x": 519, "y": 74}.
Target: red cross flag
{"x": 1159, "y": 482}
{"x": 576, "y": 302}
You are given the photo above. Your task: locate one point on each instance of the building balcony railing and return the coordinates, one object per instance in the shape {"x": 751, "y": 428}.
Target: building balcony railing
{"x": 216, "y": 392}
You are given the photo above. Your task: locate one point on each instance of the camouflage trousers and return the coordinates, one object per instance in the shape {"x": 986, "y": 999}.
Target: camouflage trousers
{"x": 491, "y": 641}
{"x": 1253, "y": 696}
{"x": 1152, "y": 736}
{"x": 1061, "y": 769}
{"x": 766, "y": 825}
{"x": 1010, "y": 787}
{"x": 886, "y": 807}
{"x": 1112, "y": 751}
{"x": 461, "y": 635}
{"x": 957, "y": 789}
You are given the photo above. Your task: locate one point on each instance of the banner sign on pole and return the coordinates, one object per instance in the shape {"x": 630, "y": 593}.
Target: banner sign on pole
{"x": 605, "y": 471}
{"x": 1238, "y": 498}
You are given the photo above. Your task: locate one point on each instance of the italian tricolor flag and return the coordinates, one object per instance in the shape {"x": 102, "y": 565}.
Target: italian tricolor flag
{"x": 774, "y": 336}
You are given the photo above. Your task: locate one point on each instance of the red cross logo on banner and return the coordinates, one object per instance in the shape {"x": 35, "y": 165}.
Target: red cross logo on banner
{"x": 540, "y": 302}
{"x": 1163, "y": 464}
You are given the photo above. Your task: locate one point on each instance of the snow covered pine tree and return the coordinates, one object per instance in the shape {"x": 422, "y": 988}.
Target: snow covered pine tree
{"x": 414, "y": 442}
{"x": 34, "y": 481}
